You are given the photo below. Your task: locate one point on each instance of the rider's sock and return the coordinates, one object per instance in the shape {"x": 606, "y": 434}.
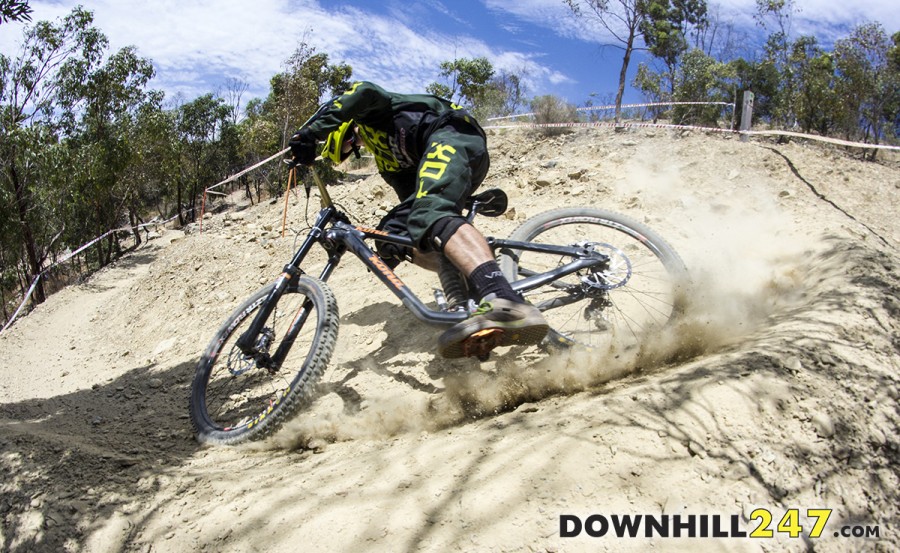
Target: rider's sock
{"x": 488, "y": 279}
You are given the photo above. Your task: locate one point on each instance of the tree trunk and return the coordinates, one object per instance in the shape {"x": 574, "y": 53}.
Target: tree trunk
{"x": 179, "y": 204}
{"x": 133, "y": 220}
{"x": 100, "y": 254}
{"x": 23, "y": 207}
{"x": 623, "y": 74}
{"x": 3, "y": 303}
{"x": 193, "y": 203}
{"x": 114, "y": 246}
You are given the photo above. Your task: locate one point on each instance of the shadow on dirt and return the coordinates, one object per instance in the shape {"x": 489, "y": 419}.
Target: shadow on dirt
{"x": 408, "y": 343}
{"x": 68, "y": 466}
{"x": 805, "y": 447}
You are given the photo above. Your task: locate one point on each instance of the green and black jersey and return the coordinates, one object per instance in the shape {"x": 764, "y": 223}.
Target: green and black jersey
{"x": 395, "y": 127}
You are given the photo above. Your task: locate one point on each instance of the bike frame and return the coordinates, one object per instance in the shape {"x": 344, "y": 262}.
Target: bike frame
{"x": 333, "y": 231}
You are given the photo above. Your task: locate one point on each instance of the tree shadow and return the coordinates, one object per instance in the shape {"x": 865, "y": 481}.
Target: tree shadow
{"x": 63, "y": 459}
{"x": 72, "y": 460}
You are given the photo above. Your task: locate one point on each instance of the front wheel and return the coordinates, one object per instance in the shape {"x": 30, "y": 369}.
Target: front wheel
{"x": 638, "y": 290}
{"x": 234, "y": 397}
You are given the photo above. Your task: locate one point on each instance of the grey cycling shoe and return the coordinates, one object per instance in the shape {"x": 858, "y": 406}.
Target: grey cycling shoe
{"x": 497, "y": 322}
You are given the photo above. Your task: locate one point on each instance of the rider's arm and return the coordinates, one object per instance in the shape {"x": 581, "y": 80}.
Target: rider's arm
{"x": 363, "y": 101}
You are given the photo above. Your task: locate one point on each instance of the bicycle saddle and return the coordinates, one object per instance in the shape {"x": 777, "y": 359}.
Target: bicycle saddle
{"x": 491, "y": 203}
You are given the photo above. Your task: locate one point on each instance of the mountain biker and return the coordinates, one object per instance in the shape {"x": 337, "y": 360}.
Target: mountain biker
{"x": 434, "y": 155}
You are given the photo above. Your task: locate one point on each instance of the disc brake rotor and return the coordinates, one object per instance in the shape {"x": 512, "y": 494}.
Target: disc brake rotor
{"x": 239, "y": 362}
{"x": 615, "y": 273}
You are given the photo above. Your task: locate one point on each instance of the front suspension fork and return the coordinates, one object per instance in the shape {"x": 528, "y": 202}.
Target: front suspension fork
{"x": 247, "y": 341}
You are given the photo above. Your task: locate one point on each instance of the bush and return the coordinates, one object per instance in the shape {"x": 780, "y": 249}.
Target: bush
{"x": 551, "y": 109}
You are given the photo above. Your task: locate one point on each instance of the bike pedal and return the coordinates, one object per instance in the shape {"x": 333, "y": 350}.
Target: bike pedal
{"x": 481, "y": 343}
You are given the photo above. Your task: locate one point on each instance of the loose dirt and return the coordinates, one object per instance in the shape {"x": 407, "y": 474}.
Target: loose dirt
{"x": 787, "y": 398}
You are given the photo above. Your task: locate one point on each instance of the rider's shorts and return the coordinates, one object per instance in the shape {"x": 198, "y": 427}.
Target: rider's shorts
{"x": 453, "y": 166}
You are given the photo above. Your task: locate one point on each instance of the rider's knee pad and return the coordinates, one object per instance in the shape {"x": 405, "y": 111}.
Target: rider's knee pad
{"x": 441, "y": 232}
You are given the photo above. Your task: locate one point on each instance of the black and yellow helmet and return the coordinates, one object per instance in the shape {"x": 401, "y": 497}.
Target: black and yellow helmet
{"x": 334, "y": 144}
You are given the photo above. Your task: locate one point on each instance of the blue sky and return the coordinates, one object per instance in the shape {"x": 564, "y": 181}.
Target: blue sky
{"x": 198, "y": 45}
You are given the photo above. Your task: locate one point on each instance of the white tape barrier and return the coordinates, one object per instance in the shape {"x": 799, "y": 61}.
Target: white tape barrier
{"x": 623, "y": 106}
{"x": 94, "y": 241}
{"x": 69, "y": 256}
{"x": 248, "y": 169}
{"x": 607, "y": 124}
{"x": 836, "y": 141}
{"x": 21, "y": 305}
{"x": 209, "y": 190}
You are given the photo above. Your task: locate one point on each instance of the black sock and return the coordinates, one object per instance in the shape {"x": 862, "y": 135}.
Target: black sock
{"x": 488, "y": 279}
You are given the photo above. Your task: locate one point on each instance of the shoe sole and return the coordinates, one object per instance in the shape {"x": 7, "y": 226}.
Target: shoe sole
{"x": 522, "y": 334}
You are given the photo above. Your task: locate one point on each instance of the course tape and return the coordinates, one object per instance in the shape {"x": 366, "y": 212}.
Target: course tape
{"x": 209, "y": 190}
{"x": 623, "y": 106}
{"x": 248, "y": 169}
{"x": 69, "y": 256}
{"x": 836, "y": 141}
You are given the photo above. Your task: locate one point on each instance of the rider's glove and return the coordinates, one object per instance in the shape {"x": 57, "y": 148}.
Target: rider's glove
{"x": 303, "y": 147}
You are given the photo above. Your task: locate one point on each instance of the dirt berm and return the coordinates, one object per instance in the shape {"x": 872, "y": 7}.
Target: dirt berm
{"x": 787, "y": 402}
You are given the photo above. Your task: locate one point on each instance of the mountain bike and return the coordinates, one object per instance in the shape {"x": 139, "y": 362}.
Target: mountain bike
{"x": 600, "y": 278}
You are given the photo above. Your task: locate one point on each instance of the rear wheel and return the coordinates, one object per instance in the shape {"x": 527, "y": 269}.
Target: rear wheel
{"x": 638, "y": 290}
{"x": 234, "y": 397}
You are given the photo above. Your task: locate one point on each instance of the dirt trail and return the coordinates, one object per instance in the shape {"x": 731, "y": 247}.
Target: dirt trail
{"x": 787, "y": 401}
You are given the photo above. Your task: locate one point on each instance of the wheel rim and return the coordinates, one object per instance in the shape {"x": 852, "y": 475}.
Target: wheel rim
{"x": 240, "y": 394}
{"x": 634, "y": 294}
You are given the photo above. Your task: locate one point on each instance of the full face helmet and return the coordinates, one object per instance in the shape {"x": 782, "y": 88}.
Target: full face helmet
{"x": 341, "y": 142}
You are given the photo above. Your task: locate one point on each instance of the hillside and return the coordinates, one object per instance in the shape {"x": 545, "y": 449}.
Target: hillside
{"x": 787, "y": 401}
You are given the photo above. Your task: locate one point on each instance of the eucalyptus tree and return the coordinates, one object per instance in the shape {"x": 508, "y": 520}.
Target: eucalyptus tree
{"x": 297, "y": 91}
{"x": 14, "y": 10}
{"x": 776, "y": 17}
{"x": 892, "y": 109}
{"x": 669, "y": 29}
{"x": 868, "y": 82}
{"x": 475, "y": 84}
{"x": 34, "y": 112}
{"x": 105, "y": 104}
{"x": 294, "y": 95}
{"x": 622, "y": 20}
{"x": 666, "y": 28}
{"x": 66, "y": 109}
{"x": 260, "y": 136}
{"x": 207, "y": 149}
{"x": 815, "y": 102}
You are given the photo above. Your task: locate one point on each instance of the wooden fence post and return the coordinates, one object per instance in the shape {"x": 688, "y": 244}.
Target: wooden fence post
{"x": 746, "y": 115}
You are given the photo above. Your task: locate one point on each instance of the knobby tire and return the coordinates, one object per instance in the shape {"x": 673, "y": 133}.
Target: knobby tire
{"x": 233, "y": 400}
{"x": 651, "y": 282}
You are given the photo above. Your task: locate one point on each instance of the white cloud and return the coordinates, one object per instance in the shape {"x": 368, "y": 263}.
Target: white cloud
{"x": 550, "y": 14}
{"x": 198, "y": 45}
{"x": 826, "y": 19}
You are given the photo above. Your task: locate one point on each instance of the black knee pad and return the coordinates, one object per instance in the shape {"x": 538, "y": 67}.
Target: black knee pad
{"x": 441, "y": 232}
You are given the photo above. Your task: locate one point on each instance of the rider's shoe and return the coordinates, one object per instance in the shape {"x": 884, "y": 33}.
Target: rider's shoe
{"x": 496, "y": 322}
